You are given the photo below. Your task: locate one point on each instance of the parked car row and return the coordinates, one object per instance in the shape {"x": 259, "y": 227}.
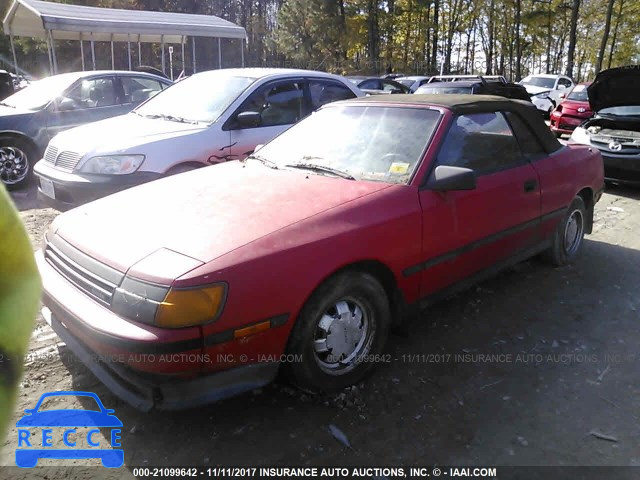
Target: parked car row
{"x": 304, "y": 234}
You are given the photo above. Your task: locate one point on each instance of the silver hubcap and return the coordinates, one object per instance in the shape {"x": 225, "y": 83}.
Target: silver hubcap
{"x": 342, "y": 334}
{"x": 573, "y": 232}
{"x": 14, "y": 165}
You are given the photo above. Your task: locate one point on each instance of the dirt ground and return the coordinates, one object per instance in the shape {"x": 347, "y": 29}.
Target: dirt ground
{"x": 534, "y": 367}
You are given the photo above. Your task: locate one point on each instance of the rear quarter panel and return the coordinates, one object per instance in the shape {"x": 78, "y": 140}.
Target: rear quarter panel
{"x": 564, "y": 174}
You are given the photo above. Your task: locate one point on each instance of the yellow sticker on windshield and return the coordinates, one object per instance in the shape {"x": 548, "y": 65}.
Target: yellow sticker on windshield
{"x": 399, "y": 168}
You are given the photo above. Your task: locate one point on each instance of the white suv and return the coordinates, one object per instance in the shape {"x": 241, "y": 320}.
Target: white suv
{"x": 546, "y": 89}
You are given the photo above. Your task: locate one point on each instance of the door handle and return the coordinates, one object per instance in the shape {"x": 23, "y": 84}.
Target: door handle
{"x": 530, "y": 186}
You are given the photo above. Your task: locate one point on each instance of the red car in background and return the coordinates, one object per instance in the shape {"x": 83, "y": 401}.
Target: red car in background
{"x": 572, "y": 111}
{"x": 191, "y": 288}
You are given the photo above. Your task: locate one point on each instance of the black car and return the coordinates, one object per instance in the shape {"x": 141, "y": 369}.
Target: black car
{"x": 32, "y": 116}
{"x": 614, "y": 96}
{"x": 375, "y": 85}
{"x": 477, "y": 86}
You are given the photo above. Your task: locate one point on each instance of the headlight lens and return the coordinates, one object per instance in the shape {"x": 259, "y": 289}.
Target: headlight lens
{"x": 189, "y": 307}
{"x": 113, "y": 164}
{"x": 580, "y": 135}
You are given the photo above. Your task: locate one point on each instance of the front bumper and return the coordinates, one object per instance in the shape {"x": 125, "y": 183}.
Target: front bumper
{"x": 621, "y": 168}
{"x": 147, "y": 392}
{"x": 73, "y": 189}
{"x": 564, "y": 123}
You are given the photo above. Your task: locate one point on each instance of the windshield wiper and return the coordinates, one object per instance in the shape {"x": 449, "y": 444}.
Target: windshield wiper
{"x": 171, "y": 118}
{"x": 267, "y": 162}
{"x": 321, "y": 168}
{"x": 7, "y": 105}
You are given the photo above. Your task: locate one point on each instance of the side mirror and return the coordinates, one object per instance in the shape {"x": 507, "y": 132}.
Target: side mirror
{"x": 446, "y": 177}
{"x": 64, "y": 104}
{"x": 249, "y": 119}
{"x": 561, "y": 87}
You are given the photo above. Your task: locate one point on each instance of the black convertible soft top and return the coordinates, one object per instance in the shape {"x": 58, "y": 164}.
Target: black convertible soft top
{"x": 460, "y": 104}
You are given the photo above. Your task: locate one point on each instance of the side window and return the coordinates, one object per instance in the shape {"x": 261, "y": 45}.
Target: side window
{"x": 371, "y": 84}
{"x": 565, "y": 81}
{"x": 139, "y": 89}
{"x": 93, "y": 93}
{"x": 323, "y": 92}
{"x": 529, "y": 145}
{"x": 480, "y": 141}
{"x": 279, "y": 104}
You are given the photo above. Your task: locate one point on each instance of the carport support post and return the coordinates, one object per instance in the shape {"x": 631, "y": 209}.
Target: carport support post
{"x": 219, "y": 53}
{"x": 82, "y": 51}
{"x": 13, "y": 52}
{"x": 93, "y": 54}
{"x": 139, "y": 52}
{"x": 163, "y": 62}
{"x": 129, "y": 50}
{"x": 184, "y": 39}
{"x": 193, "y": 53}
{"x": 113, "y": 58}
{"x": 242, "y": 51}
{"x": 53, "y": 53}
{"x": 50, "y": 57}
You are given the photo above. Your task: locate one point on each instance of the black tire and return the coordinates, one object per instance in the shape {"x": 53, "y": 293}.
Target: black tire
{"x": 567, "y": 240}
{"x": 16, "y": 162}
{"x": 319, "y": 371}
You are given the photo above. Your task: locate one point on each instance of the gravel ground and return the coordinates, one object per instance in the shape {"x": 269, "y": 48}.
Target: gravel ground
{"x": 534, "y": 367}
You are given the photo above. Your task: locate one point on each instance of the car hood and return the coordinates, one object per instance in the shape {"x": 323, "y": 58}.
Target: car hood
{"x": 119, "y": 134}
{"x": 202, "y": 215}
{"x": 616, "y": 87}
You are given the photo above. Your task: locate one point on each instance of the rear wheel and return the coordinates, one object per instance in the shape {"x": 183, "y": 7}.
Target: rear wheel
{"x": 16, "y": 162}
{"x": 568, "y": 238}
{"x": 340, "y": 332}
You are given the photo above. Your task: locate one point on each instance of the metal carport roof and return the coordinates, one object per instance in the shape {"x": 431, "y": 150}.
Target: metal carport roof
{"x": 61, "y": 21}
{"x": 36, "y": 18}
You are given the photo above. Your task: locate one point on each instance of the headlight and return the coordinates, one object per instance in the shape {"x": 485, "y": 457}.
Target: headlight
{"x": 168, "y": 307}
{"x": 580, "y": 135}
{"x": 113, "y": 164}
{"x": 189, "y": 307}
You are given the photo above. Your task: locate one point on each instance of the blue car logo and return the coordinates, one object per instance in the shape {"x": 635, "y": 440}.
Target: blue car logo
{"x": 42, "y": 446}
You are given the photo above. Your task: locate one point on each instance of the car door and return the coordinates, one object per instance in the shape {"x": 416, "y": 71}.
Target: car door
{"x": 89, "y": 100}
{"x": 466, "y": 232}
{"x": 280, "y": 104}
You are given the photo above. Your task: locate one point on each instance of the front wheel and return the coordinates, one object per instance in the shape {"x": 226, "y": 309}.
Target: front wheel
{"x": 339, "y": 333}
{"x": 567, "y": 240}
{"x": 16, "y": 162}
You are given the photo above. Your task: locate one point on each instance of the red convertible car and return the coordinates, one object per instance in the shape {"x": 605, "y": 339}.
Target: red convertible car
{"x": 200, "y": 286}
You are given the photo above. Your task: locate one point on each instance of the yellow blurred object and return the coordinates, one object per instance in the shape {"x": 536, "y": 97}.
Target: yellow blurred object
{"x": 186, "y": 308}
{"x": 20, "y": 289}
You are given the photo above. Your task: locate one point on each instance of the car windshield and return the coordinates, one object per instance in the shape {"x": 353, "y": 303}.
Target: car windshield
{"x": 407, "y": 82}
{"x": 544, "y": 82}
{"x": 443, "y": 90}
{"x": 38, "y": 94}
{"x": 358, "y": 142}
{"x": 200, "y": 98}
{"x": 632, "y": 110}
{"x": 579, "y": 93}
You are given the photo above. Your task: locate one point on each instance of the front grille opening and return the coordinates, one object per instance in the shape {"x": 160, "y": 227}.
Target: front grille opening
{"x": 94, "y": 286}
